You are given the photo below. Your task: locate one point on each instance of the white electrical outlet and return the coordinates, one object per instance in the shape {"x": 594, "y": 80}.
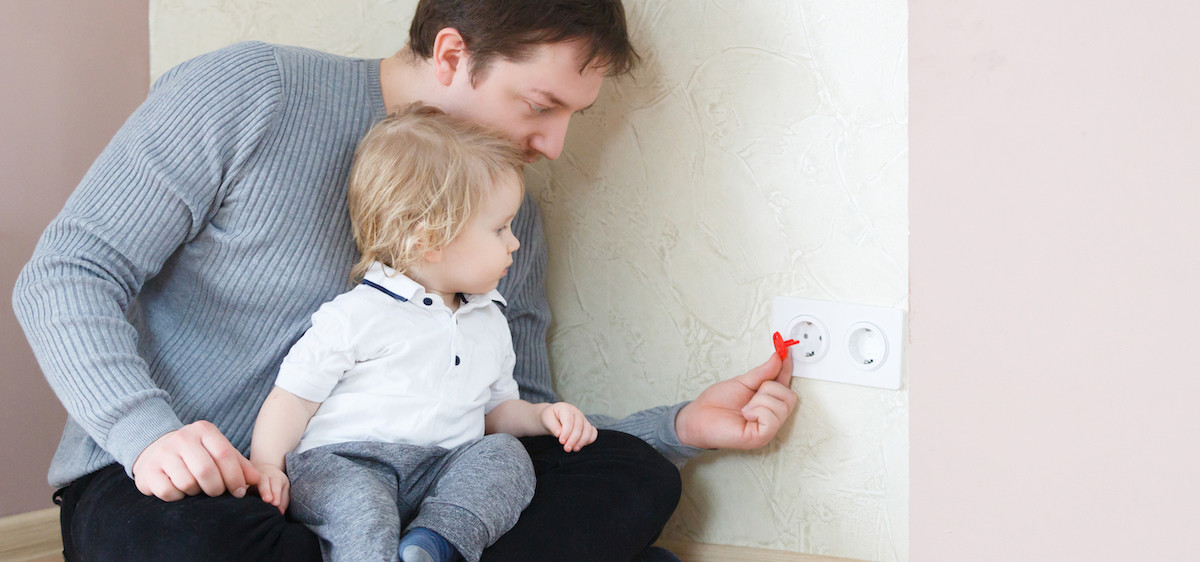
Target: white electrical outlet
{"x": 812, "y": 339}
{"x": 842, "y": 342}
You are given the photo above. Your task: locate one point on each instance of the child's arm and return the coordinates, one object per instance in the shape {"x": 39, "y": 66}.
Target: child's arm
{"x": 520, "y": 418}
{"x": 279, "y": 426}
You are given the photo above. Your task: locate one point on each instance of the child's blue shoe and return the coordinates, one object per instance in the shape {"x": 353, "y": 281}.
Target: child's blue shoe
{"x": 423, "y": 545}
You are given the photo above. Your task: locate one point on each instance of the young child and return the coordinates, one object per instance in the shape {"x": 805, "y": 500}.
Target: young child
{"x": 382, "y": 407}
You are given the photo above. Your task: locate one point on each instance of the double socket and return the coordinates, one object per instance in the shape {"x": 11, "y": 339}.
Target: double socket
{"x": 842, "y": 342}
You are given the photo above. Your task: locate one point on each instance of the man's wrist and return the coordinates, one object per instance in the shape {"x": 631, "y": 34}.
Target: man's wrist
{"x": 681, "y": 430}
{"x": 139, "y": 428}
{"x": 670, "y": 436}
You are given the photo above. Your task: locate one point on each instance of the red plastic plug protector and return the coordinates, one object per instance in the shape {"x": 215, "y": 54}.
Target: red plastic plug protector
{"x": 781, "y": 345}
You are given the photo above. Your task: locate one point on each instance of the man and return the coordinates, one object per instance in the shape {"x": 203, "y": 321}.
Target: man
{"x": 161, "y": 300}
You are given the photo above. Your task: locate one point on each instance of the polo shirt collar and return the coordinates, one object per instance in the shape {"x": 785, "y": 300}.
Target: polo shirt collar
{"x": 399, "y": 284}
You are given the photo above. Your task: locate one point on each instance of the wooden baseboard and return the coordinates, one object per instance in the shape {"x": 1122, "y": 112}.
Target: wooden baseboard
{"x": 700, "y": 552}
{"x": 35, "y": 536}
{"x": 31, "y": 536}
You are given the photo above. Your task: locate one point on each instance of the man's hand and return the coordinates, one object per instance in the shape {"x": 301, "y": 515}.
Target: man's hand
{"x": 192, "y": 459}
{"x": 744, "y": 412}
{"x": 569, "y": 425}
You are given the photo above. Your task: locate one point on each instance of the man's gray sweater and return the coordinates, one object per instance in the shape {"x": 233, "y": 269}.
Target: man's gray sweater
{"x": 198, "y": 245}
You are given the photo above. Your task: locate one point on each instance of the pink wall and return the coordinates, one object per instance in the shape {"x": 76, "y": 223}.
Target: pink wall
{"x": 72, "y": 72}
{"x": 1055, "y": 218}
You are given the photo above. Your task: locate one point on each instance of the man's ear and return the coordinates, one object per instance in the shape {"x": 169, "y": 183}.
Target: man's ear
{"x": 450, "y": 55}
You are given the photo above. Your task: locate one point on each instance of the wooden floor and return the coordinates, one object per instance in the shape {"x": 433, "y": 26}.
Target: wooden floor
{"x": 700, "y": 552}
{"x": 31, "y": 536}
{"x": 34, "y": 537}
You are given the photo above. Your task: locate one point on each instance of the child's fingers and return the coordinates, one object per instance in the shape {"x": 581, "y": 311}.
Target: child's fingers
{"x": 264, "y": 490}
{"x": 577, "y": 433}
{"x": 550, "y": 420}
{"x": 568, "y": 425}
{"x": 589, "y": 436}
{"x": 568, "y": 439}
{"x": 284, "y": 495}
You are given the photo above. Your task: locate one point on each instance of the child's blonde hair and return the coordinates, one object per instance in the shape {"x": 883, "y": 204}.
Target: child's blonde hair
{"x": 416, "y": 177}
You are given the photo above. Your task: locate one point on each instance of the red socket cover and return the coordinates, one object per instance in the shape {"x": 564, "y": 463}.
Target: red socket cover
{"x": 781, "y": 345}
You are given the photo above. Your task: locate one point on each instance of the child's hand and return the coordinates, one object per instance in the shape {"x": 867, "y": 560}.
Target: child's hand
{"x": 273, "y": 486}
{"x": 568, "y": 424}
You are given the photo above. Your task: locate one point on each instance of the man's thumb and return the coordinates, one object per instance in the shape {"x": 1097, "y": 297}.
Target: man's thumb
{"x": 762, "y": 373}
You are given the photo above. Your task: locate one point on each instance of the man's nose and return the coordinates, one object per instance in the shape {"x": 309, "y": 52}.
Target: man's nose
{"x": 549, "y": 140}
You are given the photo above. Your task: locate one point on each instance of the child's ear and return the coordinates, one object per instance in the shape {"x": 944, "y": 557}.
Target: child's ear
{"x": 427, "y": 255}
{"x": 432, "y": 256}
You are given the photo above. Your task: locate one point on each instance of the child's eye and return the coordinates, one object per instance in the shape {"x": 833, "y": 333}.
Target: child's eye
{"x": 537, "y": 109}
{"x": 501, "y": 229}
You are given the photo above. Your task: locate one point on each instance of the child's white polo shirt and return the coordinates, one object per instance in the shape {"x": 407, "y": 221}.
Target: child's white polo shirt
{"x": 390, "y": 363}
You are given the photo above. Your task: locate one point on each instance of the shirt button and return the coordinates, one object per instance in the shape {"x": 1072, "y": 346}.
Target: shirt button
{"x": 428, "y": 301}
{"x": 457, "y": 360}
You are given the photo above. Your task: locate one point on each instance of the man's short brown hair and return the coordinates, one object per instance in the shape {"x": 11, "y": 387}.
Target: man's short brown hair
{"x": 511, "y": 28}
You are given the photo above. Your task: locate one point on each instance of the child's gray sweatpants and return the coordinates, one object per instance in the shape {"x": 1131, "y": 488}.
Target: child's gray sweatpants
{"x": 357, "y": 496}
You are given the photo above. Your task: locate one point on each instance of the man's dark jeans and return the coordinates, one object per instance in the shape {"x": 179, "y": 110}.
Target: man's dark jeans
{"x": 608, "y": 501}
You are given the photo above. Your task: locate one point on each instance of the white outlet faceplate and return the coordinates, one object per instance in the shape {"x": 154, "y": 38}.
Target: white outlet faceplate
{"x": 842, "y": 342}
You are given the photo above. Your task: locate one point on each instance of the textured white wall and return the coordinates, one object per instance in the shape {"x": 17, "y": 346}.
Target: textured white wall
{"x": 761, "y": 150}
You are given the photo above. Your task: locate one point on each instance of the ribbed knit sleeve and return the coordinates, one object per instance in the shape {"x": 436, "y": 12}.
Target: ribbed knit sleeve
{"x": 529, "y": 319}
{"x": 655, "y": 426}
{"x": 527, "y": 311}
{"x": 150, "y": 191}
